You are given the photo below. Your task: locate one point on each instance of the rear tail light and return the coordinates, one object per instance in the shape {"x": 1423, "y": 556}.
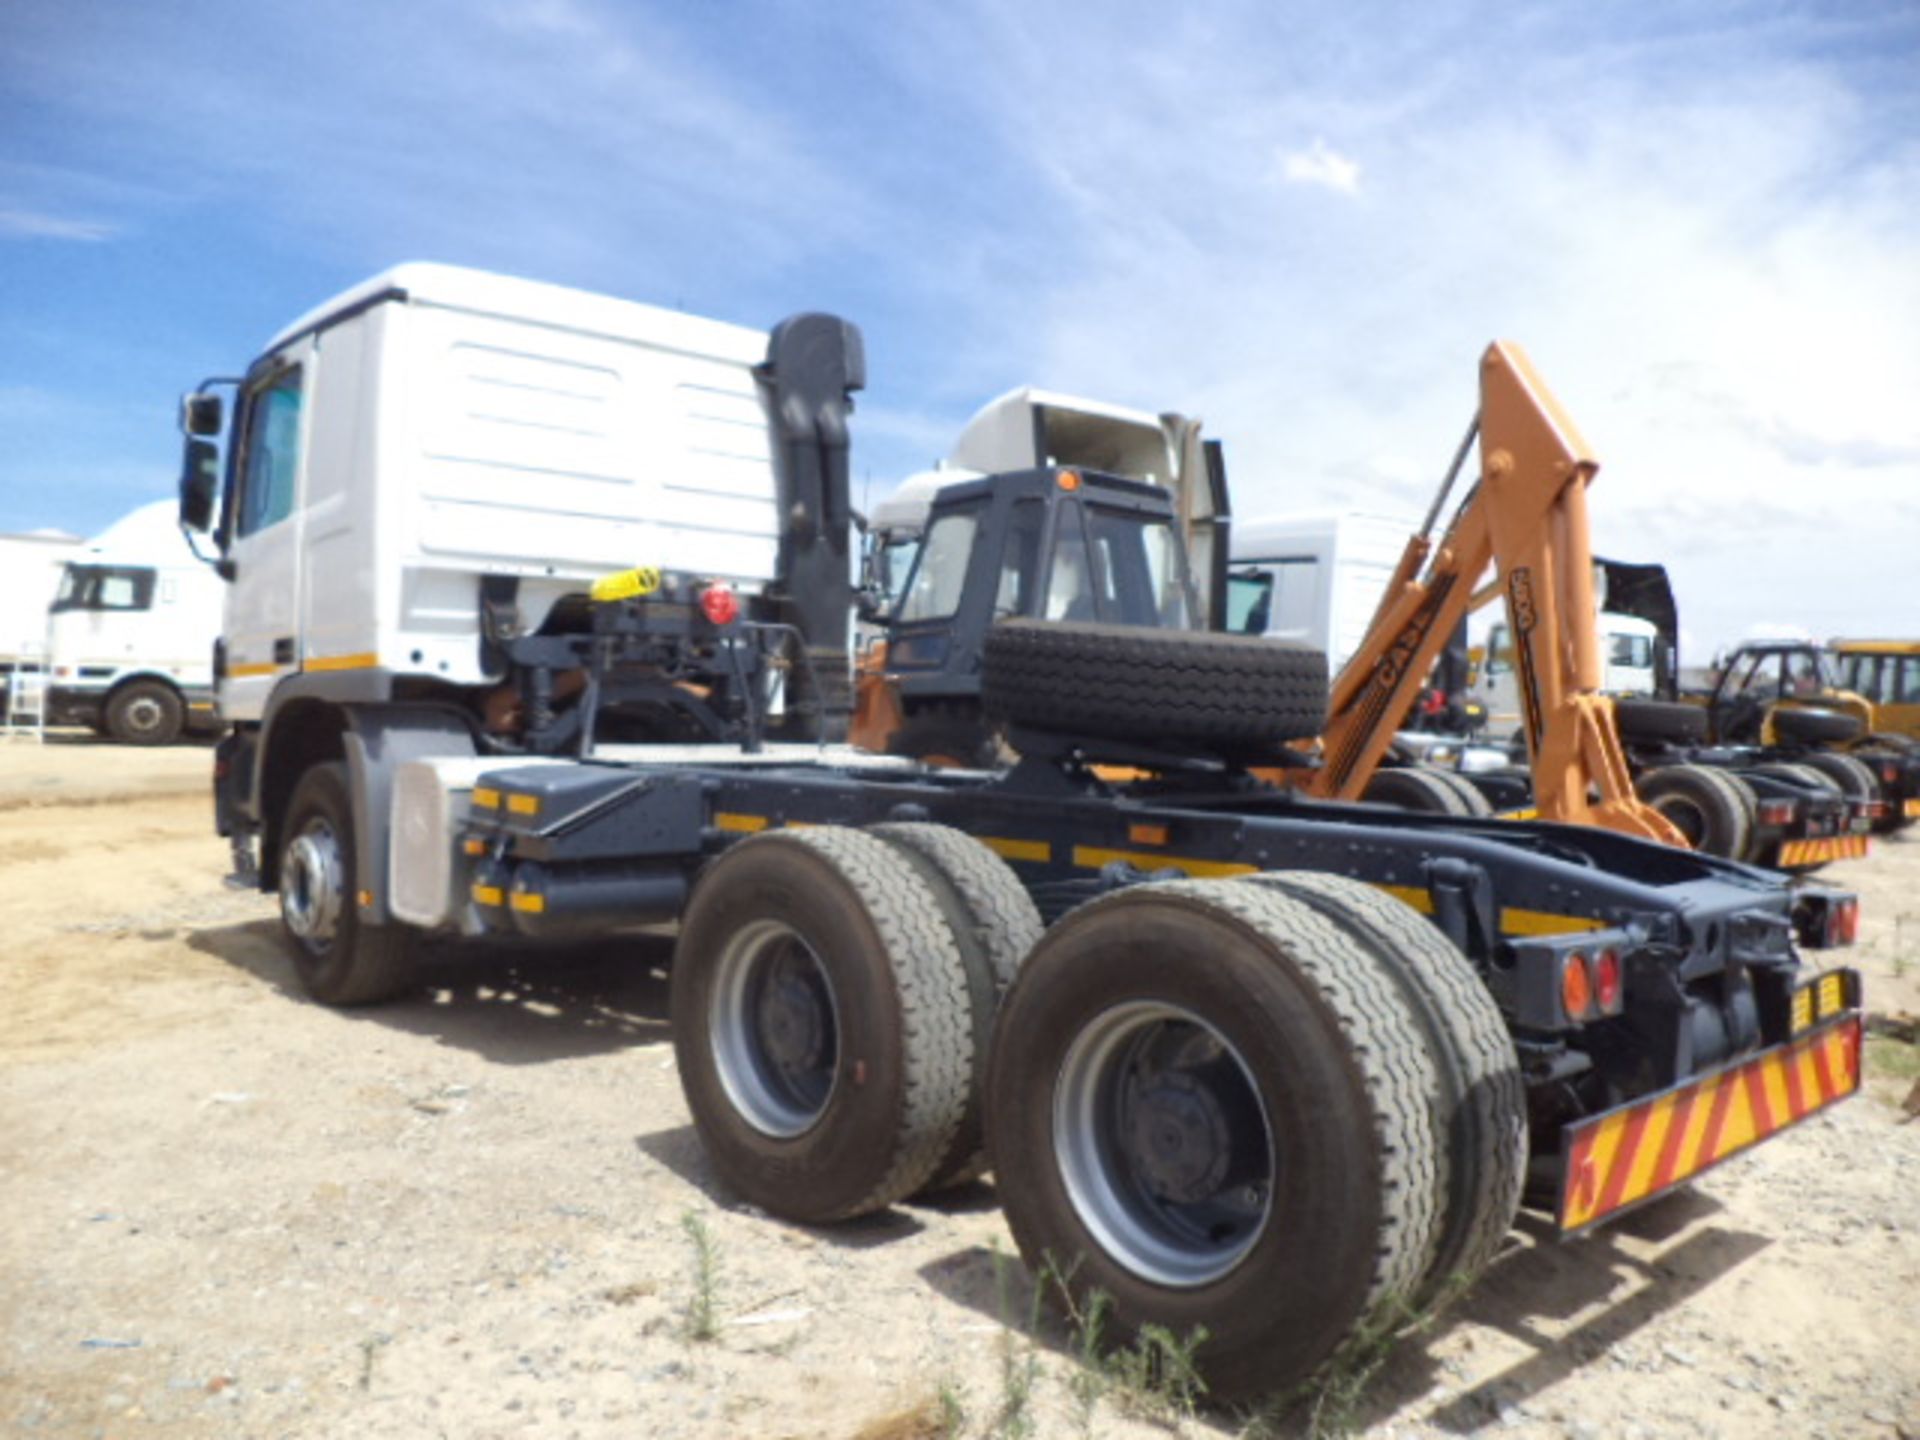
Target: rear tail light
{"x": 719, "y": 604}
{"x": 1873, "y": 809}
{"x": 1606, "y": 981}
{"x": 1843, "y": 921}
{"x": 1774, "y": 812}
{"x": 1890, "y": 771}
{"x": 1576, "y": 986}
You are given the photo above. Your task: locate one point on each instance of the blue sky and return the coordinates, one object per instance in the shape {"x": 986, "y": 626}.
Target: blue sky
{"x": 1702, "y": 219}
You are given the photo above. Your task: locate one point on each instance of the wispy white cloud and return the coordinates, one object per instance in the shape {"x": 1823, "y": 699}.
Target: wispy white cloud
{"x": 1320, "y": 164}
{"x": 33, "y": 225}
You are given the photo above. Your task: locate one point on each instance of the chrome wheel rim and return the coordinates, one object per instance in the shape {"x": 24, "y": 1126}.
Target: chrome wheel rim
{"x": 1163, "y": 1144}
{"x": 143, "y": 715}
{"x": 311, "y": 883}
{"x": 774, "y": 1029}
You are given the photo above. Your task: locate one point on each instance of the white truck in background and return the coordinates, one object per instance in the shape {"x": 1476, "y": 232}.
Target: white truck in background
{"x": 1626, "y": 656}
{"x": 30, "y": 566}
{"x": 130, "y": 633}
{"x": 1315, "y": 577}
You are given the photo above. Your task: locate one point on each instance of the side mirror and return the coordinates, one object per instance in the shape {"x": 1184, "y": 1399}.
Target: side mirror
{"x": 202, "y": 413}
{"x": 872, "y": 605}
{"x": 199, "y": 483}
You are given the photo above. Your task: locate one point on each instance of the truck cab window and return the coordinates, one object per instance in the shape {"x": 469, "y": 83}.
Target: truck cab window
{"x": 270, "y": 460}
{"x": 104, "y": 587}
{"x": 1499, "y": 650}
{"x": 1802, "y": 675}
{"x": 941, "y": 574}
{"x": 1249, "y": 601}
{"x": 1908, "y": 691}
{"x": 1069, "y": 580}
{"x": 1635, "y": 651}
{"x": 1021, "y": 562}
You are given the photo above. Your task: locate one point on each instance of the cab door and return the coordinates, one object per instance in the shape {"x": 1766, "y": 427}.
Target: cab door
{"x": 263, "y": 526}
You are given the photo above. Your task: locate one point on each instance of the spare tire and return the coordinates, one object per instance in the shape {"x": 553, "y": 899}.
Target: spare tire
{"x": 1813, "y": 727}
{"x": 1639, "y": 719}
{"x": 1129, "y": 682}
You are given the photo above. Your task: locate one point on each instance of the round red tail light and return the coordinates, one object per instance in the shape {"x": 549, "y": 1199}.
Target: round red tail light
{"x": 719, "y": 604}
{"x": 1606, "y": 980}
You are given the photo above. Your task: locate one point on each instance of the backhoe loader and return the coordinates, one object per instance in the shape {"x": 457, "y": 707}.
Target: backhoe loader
{"x": 1525, "y": 518}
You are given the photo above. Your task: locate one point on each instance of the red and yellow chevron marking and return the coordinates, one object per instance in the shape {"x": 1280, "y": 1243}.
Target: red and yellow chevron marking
{"x": 1829, "y": 847}
{"x": 1632, "y": 1154}
{"x": 1911, "y": 807}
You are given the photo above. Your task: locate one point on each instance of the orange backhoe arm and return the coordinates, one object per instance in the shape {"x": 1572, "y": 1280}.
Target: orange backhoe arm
{"x": 1527, "y": 517}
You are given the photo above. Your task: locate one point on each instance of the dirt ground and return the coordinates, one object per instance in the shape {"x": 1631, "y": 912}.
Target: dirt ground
{"x": 230, "y": 1212}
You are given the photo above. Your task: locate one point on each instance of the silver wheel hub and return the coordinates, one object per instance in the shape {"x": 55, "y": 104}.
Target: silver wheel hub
{"x": 144, "y": 714}
{"x": 312, "y": 883}
{"x": 773, "y": 1026}
{"x": 1163, "y": 1144}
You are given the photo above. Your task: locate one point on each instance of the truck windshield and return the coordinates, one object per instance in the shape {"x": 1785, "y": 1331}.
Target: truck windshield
{"x": 933, "y": 592}
{"x": 1635, "y": 651}
{"x": 104, "y": 587}
{"x": 1121, "y": 568}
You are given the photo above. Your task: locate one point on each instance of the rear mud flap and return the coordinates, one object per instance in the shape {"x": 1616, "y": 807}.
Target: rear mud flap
{"x": 1625, "y": 1157}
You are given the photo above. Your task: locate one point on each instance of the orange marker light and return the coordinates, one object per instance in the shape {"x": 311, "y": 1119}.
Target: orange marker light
{"x": 1576, "y": 986}
{"x": 1069, "y": 480}
{"x": 1147, "y": 834}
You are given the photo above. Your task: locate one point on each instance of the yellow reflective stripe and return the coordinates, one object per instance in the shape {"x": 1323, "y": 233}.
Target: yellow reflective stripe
{"x": 1773, "y": 1081}
{"x": 1742, "y": 1128}
{"x": 1606, "y": 1142}
{"x": 1646, "y": 1158}
{"x": 485, "y": 797}
{"x": 364, "y": 660}
{"x": 1412, "y": 895}
{"x": 524, "y": 804}
{"x": 529, "y": 902}
{"x": 1809, "y": 1077}
{"x": 1688, "y": 1158}
{"x": 1089, "y": 857}
{"x": 739, "y": 824}
{"x": 1037, "y": 851}
{"x": 252, "y": 668}
{"x": 487, "y": 894}
{"x": 1539, "y": 922}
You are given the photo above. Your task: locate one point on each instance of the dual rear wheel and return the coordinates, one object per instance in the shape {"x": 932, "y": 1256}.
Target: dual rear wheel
{"x": 1280, "y": 1110}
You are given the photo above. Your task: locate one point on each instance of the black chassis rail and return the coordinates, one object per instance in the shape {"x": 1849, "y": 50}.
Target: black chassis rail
{"x": 1707, "y": 946}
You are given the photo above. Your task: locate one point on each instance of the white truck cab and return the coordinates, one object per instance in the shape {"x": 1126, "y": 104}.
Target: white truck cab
{"x": 1315, "y": 577}
{"x": 1626, "y": 655}
{"x": 413, "y": 492}
{"x": 130, "y": 633}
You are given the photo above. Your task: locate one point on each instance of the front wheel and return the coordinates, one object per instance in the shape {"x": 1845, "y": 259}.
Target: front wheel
{"x": 145, "y": 713}
{"x": 341, "y": 960}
